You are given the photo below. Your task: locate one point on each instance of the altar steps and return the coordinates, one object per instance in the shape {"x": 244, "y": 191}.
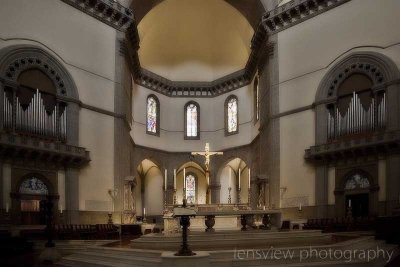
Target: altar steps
{"x": 230, "y": 240}
{"x": 112, "y": 257}
{"x": 226, "y": 259}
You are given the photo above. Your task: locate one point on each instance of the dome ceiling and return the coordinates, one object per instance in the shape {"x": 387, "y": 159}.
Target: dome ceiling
{"x": 196, "y": 40}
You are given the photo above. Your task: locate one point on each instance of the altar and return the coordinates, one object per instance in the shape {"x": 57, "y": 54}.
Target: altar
{"x": 224, "y": 217}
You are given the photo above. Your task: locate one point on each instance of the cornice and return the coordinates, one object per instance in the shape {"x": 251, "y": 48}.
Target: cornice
{"x": 107, "y": 11}
{"x": 272, "y": 22}
{"x": 295, "y": 12}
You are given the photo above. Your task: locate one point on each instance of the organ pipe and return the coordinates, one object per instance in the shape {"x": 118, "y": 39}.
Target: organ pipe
{"x": 356, "y": 119}
{"x": 34, "y": 119}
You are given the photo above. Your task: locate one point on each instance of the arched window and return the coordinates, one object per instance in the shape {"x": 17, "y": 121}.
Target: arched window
{"x": 357, "y": 181}
{"x": 256, "y": 99}
{"x": 231, "y": 115}
{"x": 192, "y": 120}
{"x": 33, "y": 186}
{"x": 153, "y": 118}
{"x": 190, "y": 185}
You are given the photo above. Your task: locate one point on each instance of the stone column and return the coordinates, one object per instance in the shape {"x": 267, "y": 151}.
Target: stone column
{"x": 321, "y": 191}
{"x": 72, "y": 195}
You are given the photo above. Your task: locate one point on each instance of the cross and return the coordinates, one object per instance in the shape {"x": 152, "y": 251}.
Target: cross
{"x": 207, "y": 154}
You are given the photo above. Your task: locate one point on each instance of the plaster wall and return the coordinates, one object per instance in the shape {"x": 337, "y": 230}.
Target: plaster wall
{"x": 358, "y": 25}
{"x": 211, "y": 121}
{"x": 86, "y": 48}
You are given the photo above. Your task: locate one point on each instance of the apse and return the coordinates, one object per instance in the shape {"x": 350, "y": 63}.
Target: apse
{"x": 194, "y": 40}
{"x": 229, "y": 177}
{"x": 195, "y": 183}
{"x": 151, "y": 183}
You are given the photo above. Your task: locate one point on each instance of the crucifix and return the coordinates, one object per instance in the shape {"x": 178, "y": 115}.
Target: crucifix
{"x": 207, "y": 154}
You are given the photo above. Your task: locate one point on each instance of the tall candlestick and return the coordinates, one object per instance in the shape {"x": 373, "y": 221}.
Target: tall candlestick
{"x": 239, "y": 178}
{"x": 230, "y": 176}
{"x": 7, "y": 207}
{"x": 249, "y": 177}
{"x": 349, "y": 203}
{"x": 144, "y": 212}
{"x": 165, "y": 180}
{"x": 300, "y": 206}
{"x": 174, "y": 179}
{"x": 61, "y": 208}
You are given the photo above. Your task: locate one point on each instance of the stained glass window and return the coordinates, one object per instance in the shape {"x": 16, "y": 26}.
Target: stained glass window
{"x": 191, "y": 120}
{"x": 152, "y": 106}
{"x": 357, "y": 181}
{"x": 232, "y": 115}
{"x": 190, "y": 182}
{"x": 33, "y": 186}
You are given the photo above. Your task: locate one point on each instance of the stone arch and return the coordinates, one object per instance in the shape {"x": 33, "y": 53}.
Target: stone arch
{"x": 42, "y": 178}
{"x": 18, "y": 58}
{"x": 377, "y": 67}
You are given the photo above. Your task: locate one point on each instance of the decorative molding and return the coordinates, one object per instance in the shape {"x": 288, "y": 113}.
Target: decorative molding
{"x": 377, "y": 144}
{"x": 109, "y": 12}
{"x": 17, "y": 147}
{"x": 295, "y": 12}
{"x": 281, "y": 18}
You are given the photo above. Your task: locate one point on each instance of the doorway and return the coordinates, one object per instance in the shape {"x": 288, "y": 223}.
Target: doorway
{"x": 359, "y": 204}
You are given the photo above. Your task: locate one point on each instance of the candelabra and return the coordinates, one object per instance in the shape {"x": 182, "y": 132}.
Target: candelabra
{"x": 229, "y": 195}
{"x": 174, "y": 196}
{"x": 238, "y": 195}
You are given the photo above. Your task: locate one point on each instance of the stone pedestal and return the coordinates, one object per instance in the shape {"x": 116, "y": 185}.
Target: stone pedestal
{"x": 201, "y": 259}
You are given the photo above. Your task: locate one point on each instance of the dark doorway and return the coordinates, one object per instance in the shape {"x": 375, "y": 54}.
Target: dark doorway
{"x": 359, "y": 204}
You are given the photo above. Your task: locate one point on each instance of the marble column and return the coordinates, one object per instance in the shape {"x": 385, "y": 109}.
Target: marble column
{"x": 72, "y": 195}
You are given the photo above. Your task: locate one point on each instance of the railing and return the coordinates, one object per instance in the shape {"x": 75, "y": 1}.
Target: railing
{"x": 357, "y": 119}
{"x": 34, "y": 119}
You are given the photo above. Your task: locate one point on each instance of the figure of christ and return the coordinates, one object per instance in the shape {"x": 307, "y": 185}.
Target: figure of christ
{"x": 207, "y": 154}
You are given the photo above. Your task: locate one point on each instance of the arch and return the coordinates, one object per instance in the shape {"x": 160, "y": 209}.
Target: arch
{"x": 191, "y": 167}
{"x": 231, "y": 108}
{"x": 230, "y": 170}
{"x": 150, "y": 178}
{"x": 192, "y": 132}
{"x": 18, "y": 58}
{"x": 379, "y": 68}
{"x": 49, "y": 186}
{"x": 351, "y": 174}
{"x": 153, "y": 116}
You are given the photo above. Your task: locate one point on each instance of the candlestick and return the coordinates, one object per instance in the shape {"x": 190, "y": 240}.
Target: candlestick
{"x": 165, "y": 180}
{"x": 175, "y": 179}
{"x": 144, "y": 212}
{"x": 239, "y": 178}
{"x": 249, "y": 196}
{"x": 184, "y": 180}
{"x": 61, "y": 208}
{"x": 349, "y": 203}
{"x": 230, "y": 176}
{"x": 249, "y": 178}
{"x": 300, "y": 206}
{"x": 229, "y": 195}
{"x": 7, "y": 207}
{"x": 174, "y": 196}
{"x": 238, "y": 195}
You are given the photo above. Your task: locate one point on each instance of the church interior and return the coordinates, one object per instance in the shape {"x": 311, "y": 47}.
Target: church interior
{"x": 200, "y": 132}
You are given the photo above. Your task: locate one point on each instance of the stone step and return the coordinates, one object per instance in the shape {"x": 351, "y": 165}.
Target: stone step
{"x": 96, "y": 259}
